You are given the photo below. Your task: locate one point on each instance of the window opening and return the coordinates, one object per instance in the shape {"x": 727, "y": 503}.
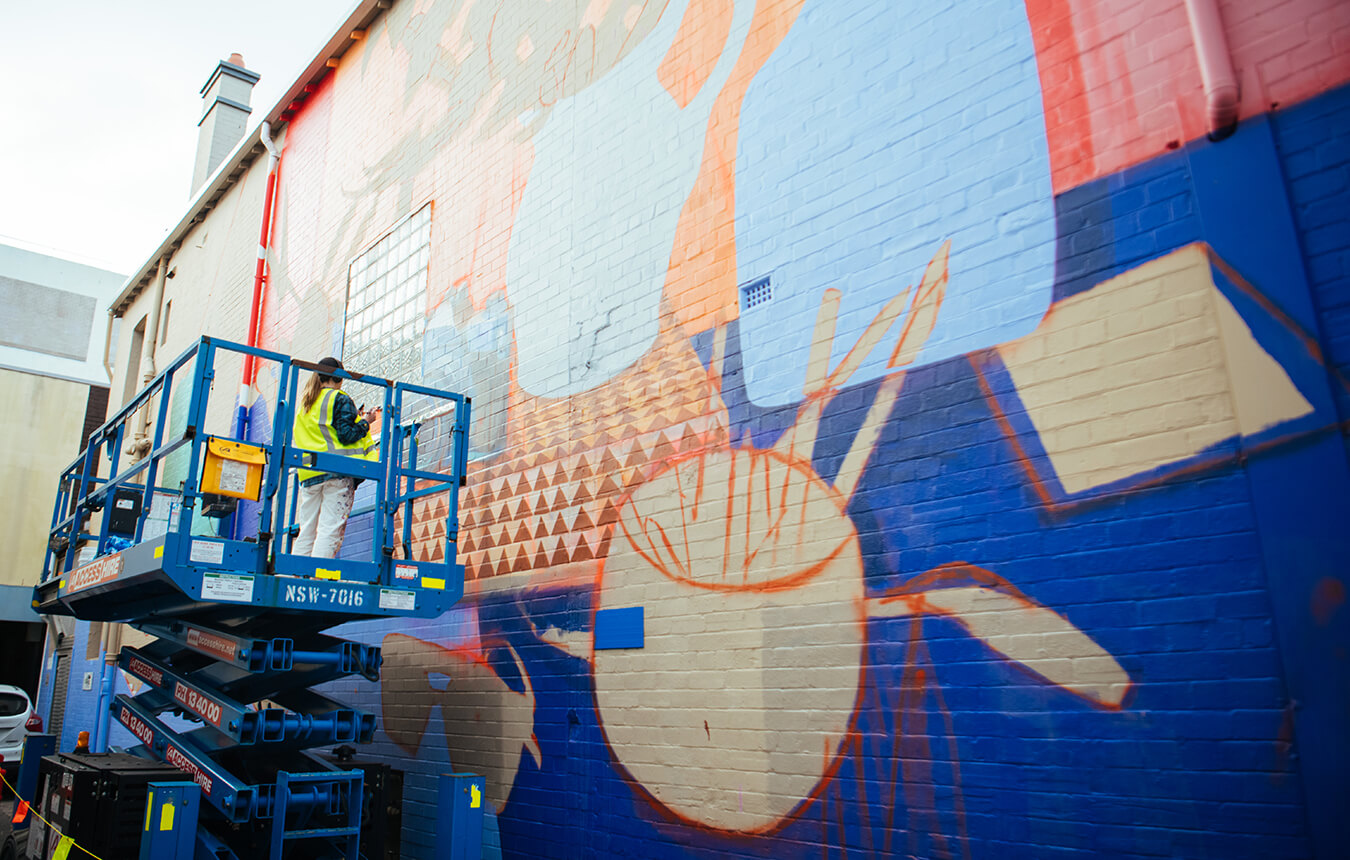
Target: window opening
{"x": 132, "y": 383}
{"x": 386, "y": 302}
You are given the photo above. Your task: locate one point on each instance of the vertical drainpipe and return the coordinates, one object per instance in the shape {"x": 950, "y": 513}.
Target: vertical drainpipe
{"x": 107, "y": 346}
{"x": 246, "y": 387}
{"x": 250, "y": 375}
{"x": 1222, "y": 96}
{"x": 140, "y": 444}
{"x": 103, "y": 712}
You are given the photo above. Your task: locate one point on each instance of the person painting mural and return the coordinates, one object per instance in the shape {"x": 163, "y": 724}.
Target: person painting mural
{"x": 328, "y": 422}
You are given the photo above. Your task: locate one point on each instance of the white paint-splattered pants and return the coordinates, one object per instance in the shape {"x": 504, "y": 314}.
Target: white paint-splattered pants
{"x": 322, "y": 516}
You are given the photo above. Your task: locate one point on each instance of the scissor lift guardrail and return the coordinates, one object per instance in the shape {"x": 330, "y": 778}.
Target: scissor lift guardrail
{"x": 238, "y": 619}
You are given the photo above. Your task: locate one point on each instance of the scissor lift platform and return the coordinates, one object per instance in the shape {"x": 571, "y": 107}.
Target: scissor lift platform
{"x": 137, "y": 583}
{"x": 238, "y": 620}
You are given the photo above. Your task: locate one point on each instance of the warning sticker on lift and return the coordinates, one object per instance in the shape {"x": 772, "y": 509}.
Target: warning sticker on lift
{"x": 405, "y": 571}
{"x": 391, "y": 598}
{"x": 233, "y": 477}
{"x": 227, "y": 586}
{"x": 207, "y": 551}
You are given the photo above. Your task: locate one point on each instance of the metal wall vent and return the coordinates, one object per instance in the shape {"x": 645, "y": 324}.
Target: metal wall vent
{"x": 756, "y": 292}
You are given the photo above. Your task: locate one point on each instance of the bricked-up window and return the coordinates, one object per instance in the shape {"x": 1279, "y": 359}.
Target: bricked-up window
{"x": 386, "y": 302}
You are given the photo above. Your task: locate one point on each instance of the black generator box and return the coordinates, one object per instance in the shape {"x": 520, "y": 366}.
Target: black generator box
{"x": 381, "y": 808}
{"x": 124, "y": 512}
{"x": 97, "y": 799}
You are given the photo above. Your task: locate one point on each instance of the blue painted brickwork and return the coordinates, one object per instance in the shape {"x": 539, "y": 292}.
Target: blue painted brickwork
{"x": 1198, "y": 763}
{"x": 1201, "y": 759}
{"x": 82, "y": 705}
{"x": 1110, "y": 225}
{"x": 1300, "y": 498}
{"x": 1312, "y": 141}
{"x": 1168, "y": 580}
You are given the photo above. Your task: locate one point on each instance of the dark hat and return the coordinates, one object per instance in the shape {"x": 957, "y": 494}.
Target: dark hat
{"x": 329, "y": 363}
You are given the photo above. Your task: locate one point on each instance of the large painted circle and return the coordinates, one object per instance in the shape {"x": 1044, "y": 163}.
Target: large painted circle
{"x": 750, "y": 578}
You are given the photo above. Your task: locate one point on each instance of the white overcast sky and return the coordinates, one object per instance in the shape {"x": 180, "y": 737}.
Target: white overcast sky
{"x": 99, "y": 103}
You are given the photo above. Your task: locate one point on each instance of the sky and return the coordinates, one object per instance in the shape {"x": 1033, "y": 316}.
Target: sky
{"x": 99, "y": 104}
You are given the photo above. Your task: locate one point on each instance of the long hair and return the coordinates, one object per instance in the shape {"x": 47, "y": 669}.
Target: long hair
{"x": 312, "y": 389}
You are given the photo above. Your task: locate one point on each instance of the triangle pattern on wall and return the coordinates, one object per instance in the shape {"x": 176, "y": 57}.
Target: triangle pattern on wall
{"x": 554, "y": 497}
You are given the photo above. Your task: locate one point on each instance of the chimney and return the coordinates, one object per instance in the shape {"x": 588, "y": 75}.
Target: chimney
{"x": 225, "y": 110}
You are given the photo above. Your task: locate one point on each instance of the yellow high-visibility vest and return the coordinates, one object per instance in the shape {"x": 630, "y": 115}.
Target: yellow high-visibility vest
{"x": 314, "y": 432}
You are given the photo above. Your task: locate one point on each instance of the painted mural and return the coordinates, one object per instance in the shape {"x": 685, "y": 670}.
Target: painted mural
{"x": 928, "y": 473}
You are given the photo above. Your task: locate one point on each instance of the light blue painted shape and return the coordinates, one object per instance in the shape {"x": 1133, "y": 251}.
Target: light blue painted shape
{"x": 473, "y": 357}
{"x": 590, "y": 247}
{"x": 873, "y": 134}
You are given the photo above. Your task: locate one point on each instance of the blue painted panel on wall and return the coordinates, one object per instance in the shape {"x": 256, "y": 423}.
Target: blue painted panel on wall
{"x": 618, "y": 628}
{"x": 1312, "y": 143}
{"x": 1302, "y": 500}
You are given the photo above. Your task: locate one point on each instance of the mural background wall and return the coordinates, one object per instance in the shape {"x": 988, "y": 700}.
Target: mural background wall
{"x": 967, "y": 426}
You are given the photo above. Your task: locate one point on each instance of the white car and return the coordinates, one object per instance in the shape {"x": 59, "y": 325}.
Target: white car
{"x": 17, "y": 721}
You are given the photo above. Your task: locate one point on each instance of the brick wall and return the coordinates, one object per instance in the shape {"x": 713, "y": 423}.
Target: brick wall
{"x": 1006, "y": 520}
{"x": 1317, "y": 168}
{"x": 1122, "y": 82}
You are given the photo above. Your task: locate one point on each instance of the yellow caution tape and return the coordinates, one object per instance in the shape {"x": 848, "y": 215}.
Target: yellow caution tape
{"x": 324, "y": 573}
{"x": 438, "y": 584}
{"x": 166, "y": 816}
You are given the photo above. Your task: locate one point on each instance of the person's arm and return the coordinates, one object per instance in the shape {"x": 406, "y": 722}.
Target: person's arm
{"x": 349, "y": 426}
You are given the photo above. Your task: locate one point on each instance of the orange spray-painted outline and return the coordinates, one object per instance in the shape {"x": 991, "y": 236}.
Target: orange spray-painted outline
{"x": 959, "y": 573}
{"x": 795, "y": 579}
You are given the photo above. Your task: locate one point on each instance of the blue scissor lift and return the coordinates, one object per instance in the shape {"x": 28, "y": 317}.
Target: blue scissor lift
{"x": 239, "y": 620}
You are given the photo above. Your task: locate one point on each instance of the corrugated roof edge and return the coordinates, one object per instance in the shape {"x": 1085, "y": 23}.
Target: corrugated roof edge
{"x": 361, "y": 17}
